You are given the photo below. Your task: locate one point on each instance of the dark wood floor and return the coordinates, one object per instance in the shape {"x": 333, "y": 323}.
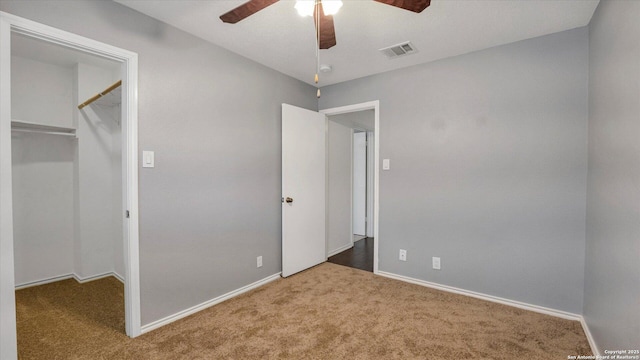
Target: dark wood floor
{"x": 360, "y": 256}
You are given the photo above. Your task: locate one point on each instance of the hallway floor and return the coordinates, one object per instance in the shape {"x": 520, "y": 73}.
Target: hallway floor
{"x": 360, "y": 256}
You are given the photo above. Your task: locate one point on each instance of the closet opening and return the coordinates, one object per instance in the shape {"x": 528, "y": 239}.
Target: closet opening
{"x": 68, "y": 155}
{"x": 67, "y": 187}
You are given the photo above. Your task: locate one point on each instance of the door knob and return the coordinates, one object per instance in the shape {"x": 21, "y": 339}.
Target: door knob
{"x": 289, "y": 200}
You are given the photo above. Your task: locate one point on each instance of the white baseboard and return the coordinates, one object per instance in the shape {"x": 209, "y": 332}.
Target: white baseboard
{"x": 75, "y": 276}
{"x": 592, "y": 342}
{"x": 503, "y": 301}
{"x": 194, "y": 309}
{"x": 118, "y": 276}
{"x": 361, "y": 237}
{"x": 83, "y": 280}
{"x": 340, "y": 249}
{"x": 44, "y": 281}
{"x": 477, "y": 295}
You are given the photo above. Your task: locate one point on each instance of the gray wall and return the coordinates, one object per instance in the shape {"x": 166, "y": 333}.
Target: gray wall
{"x": 612, "y": 274}
{"x": 363, "y": 120}
{"x": 340, "y": 140}
{"x": 97, "y": 180}
{"x": 212, "y": 203}
{"x": 64, "y": 193}
{"x": 488, "y": 163}
{"x": 359, "y": 120}
{"x": 43, "y": 181}
{"x": 49, "y": 86}
{"x": 42, "y": 171}
{"x": 488, "y": 168}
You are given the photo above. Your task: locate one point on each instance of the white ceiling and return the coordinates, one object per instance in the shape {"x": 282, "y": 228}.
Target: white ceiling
{"x": 280, "y": 39}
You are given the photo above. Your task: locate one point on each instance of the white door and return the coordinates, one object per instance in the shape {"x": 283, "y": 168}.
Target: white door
{"x": 303, "y": 189}
{"x": 359, "y": 182}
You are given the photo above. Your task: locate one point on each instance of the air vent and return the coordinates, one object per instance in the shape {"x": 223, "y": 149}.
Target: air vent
{"x": 392, "y": 52}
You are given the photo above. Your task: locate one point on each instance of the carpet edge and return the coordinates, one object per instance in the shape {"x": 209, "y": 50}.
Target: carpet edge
{"x": 72, "y": 275}
{"x": 207, "y": 304}
{"x": 496, "y": 299}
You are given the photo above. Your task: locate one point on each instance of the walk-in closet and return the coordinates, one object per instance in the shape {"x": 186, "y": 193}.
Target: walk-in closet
{"x": 66, "y": 142}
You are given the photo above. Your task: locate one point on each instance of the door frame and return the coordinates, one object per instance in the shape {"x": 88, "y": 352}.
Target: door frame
{"x": 375, "y": 106}
{"x": 14, "y": 24}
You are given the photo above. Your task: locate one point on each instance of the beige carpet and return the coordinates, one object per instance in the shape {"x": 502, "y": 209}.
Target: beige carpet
{"x": 327, "y": 312}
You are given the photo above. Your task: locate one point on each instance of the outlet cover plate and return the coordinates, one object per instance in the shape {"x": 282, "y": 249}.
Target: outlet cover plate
{"x": 435, "y": 262}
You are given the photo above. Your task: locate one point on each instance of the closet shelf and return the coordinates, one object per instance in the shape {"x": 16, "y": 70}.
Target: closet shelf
{"x": 110, "y": 96}
{"x": 26, "y": 126}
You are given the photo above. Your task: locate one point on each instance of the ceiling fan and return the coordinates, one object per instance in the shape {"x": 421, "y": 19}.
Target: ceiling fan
{"x": 327, "y": 34}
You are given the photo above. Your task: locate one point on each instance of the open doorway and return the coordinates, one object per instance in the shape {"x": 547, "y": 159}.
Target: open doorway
{"x": 351, "y": 186}
{"x": 363, "y": 168}
{"x": 69, "y": 175}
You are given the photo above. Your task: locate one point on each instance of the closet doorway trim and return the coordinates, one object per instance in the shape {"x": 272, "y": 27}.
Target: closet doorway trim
{"x": 13, "y": 24}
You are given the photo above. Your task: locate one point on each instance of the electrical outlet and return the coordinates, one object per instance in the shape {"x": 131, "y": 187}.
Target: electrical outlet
{"x": 259, "y": 261}
{"x": 435, "y": 262}
{"x": 403, "y": 255}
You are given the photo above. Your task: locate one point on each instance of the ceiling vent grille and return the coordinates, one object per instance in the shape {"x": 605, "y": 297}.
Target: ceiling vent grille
{"x": 406, "y": 48}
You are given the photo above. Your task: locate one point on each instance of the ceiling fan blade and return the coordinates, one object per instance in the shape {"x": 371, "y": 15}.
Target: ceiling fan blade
{"x": 245, "y": 10}
{"x": 327, "y": 36}
{"x": 411, "y": 5}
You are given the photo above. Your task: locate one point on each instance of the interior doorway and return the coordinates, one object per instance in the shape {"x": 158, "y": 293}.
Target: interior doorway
{"x": 43, "y": 141}
{"x": 352, "y": 185}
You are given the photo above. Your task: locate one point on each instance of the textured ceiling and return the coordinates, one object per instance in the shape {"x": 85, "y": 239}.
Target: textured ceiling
{"x": 279, "y": 38}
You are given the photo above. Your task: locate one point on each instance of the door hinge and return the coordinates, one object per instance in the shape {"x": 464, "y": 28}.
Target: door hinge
{"x": 126, "y": 214}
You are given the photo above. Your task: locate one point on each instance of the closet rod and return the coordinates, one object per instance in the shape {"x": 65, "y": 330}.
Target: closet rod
{"x": 44, "y": 132}
{"x": 98, "y": 96}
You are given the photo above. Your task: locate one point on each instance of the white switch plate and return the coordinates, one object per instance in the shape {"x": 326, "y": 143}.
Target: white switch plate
{"x": 148, "y": 160}
{"x": 386, "y": 164}
{"x": 435, "y": 262}
{"x": 403, "y": 255}
{"x": 259, "y": 261}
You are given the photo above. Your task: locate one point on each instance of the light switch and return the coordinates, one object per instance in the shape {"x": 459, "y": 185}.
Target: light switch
{"x": 385, "y": 164}
{"x": 148, "y": 159}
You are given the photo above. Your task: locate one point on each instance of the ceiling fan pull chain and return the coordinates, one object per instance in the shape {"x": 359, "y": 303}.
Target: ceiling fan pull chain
{"x": 317, "y": 13}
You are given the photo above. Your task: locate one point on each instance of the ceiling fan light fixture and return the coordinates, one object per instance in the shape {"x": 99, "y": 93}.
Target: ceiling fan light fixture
{"x": 305, "y": 7}
{"x": 331, "y": 7}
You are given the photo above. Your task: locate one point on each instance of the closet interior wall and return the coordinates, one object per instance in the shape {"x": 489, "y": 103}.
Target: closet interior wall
{"x": 98, "y": 170}
{"x": 339, "y": 179}
{"x": 67, "y": 190}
